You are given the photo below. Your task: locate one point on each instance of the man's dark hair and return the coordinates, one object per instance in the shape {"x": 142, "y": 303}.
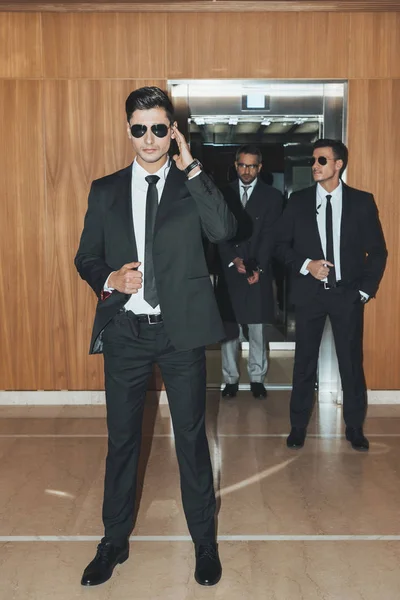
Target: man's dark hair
{"x": 249, "y": 149}
{"x": 339, "y": 150}
{"x": 146, "y": 98}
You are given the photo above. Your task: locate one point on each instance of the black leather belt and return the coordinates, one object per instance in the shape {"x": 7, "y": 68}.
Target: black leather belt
{"x": 150, "y": 319}
{"x": 327, "y": 286}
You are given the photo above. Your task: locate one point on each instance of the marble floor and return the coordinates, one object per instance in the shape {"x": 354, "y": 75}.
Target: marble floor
{"x": 280, "y": 368}
{"x": 321, "y": 523}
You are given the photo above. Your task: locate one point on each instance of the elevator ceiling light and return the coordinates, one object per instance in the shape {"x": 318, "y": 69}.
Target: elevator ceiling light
{"x": 254, "y": 90}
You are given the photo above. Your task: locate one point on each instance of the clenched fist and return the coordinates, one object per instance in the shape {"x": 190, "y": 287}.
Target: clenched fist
{"x": 127, "y": 279}
{"x": 319, "y": 268}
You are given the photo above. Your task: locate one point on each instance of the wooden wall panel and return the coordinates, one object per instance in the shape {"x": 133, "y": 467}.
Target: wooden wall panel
{"x": 281, "y": 45}
{"x": 375, "y": 45}
{"x": 374, "y": 148}
{"x": 20, "y": 45}
{"x": 22, "y": 241}
{"x": 55, "y": 141}
{"x": 104, "y": 45}
{"x": 203, "y": 6}
{"x": 85, "y": 139}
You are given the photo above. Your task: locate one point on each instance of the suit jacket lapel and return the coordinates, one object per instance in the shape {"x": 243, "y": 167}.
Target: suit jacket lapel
{"x": 122, "y": 210}
{"x": 174, "y": 184}
{"x": 254, "y": 197}
{"x": 312, "y": 218}
{"x": 346, "y": 218}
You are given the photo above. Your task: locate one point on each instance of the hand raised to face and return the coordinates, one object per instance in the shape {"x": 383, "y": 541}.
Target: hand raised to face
{"x": 184, "y": 158}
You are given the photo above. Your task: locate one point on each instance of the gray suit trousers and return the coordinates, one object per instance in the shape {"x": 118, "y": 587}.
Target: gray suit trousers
{"x": 257, "y": 362}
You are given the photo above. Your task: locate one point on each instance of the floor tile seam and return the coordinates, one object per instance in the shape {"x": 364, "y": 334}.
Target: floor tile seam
{"x": 221, "y": 538}
{"x": 170, "y": 435}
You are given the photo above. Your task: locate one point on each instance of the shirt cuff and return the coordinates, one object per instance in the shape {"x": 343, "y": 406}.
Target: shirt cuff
{"x": 303, "y": 269}
{"x": 195, "y": 175}
{"x": 364, "y": 295}
{"x": 105, "y": 286}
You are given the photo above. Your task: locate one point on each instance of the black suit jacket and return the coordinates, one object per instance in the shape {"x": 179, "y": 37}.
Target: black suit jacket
{"x": 362, "y": 244}
{"x": 188, "y": 210}
{"x": 239, "y": 301}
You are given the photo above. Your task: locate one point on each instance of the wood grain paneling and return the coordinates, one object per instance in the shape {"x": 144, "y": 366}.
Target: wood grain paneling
{"x": 20, "y": 45}
{"x": 85, "y": 139}
{"x": 206, "y": 5}
{"x": 375, "y": 46}
{"x": 90, "y": 63}
{"x": 97, "y": 46}
{"x": 22, "y": 240}
{"x": 374, "y": 149}
{"x": 252, "y": 45}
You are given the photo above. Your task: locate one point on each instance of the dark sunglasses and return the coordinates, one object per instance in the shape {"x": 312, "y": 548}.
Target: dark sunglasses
{"x": 321, "y": 159}
{"x": 160, "y": 130}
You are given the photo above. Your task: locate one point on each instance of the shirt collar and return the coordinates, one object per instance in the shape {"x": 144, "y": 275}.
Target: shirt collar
{"x": 250, "y": 186}
{"x": 139, "y": 171}
{"x": 322, "y": 193}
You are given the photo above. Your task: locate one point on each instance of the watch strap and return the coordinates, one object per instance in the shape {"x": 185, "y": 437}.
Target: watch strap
{"x": 193, "y": 165}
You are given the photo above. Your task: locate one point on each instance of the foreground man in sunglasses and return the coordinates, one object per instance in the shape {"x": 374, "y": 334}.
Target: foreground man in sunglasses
{"x": 331, "y": 236}
{"x": 141, "y": 251}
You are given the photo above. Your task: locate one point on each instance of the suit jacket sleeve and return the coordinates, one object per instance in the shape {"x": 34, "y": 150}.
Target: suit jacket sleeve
{"x": 227, "y": 253}
{"x": 285, "y": 230}
{"x": 375, "y": 248}
{"x": 231, "y": 249}
{"x": 268, "y": 232}
{"x": 217, "y": 221}
{"x": 89, "y": 259}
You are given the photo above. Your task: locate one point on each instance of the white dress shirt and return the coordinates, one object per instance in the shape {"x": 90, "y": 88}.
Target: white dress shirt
{"x": 139, "y": 187}
{"x": 250, "y": 187}
{"x": 337, "y": 204}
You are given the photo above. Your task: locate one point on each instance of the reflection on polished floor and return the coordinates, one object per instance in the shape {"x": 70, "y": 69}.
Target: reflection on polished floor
{"x": 280, "y": 367}
{"x": 292, "y": 524}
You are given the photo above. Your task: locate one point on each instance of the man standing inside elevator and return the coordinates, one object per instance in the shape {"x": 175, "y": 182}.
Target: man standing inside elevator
{"x": 244, "y": 289}
{"x": 141, "y": 251}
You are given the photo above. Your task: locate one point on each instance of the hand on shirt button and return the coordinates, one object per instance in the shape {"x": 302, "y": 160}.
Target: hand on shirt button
{"x": 319, "y": 268}
{"x": 127, "y": 280}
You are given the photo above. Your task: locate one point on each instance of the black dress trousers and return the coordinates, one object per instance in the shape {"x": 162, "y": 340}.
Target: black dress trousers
{"x": 128, "y": 363}
{"x": 346, "y": 312}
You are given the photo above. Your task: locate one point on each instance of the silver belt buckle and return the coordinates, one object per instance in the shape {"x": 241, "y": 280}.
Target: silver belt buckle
{"x": 326, "y": 285}
{"x": 149, "y": 320}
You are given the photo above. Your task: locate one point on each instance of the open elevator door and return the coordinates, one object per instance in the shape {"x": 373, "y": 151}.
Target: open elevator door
{"x": 282, "y": 118}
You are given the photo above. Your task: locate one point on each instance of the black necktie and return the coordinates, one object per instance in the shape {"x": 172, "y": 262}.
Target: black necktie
{"x": 149, "y": 288}
{"x": 329, "y": 240}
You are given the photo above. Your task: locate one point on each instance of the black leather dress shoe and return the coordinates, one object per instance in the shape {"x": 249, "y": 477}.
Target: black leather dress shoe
{"x": 296, "y": 437}
{"x": 102, "y": 566}
{"x": 208, "y": 566}
{"x": 258, "y": 390}
{"x": 356, "y": 437}
{"x": 231, "y": 389}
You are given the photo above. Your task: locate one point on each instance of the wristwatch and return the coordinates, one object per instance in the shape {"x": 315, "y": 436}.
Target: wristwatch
{"x": 193, "y": 165}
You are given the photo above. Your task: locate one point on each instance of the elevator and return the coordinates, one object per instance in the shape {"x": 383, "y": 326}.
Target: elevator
{"x": 282, "y": 118}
